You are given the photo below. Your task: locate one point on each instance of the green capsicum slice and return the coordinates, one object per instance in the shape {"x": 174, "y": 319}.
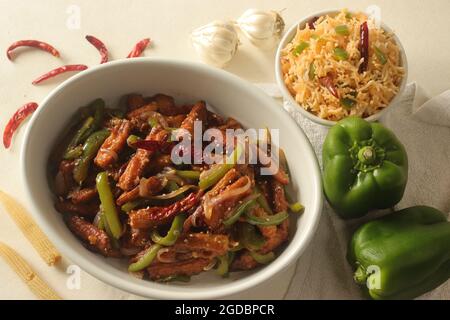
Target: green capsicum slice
{"x": 90, "y": 148}
{"x": 402, "y": 255}
{"x": 146, "y": 259}
{"x": 364, "y": 167}
{"x": 272, "y": 220}
{"x": 108, "y": 205}
{"x": 173, "y": 233}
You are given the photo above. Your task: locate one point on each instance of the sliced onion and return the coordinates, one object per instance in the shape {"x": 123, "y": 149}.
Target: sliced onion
{"x": 112, "y": 153}
{"x": 129, "y": 251}
{"x": 161, "y": 258}
{"x": 194, "y": 217}
{"x": 211, "y": 265}
{"x": 171, "y": 174}
{"x": 173, "y": 194}
{"x": 210, "y": 203}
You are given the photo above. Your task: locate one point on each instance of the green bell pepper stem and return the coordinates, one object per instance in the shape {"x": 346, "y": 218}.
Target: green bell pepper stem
{"x": 108, "y": 205}
{"x": 249, "y": 237}
{"x": 263, "y": 258}
{"x": 365, "y": 167}
{"x": 235, "y": 215}
{"x": 360, "y": 275}
{"x": 296, "y": 207}
{"x": 188, "y": 174}
{"x": 77, "y": 138}
{"x": 132, "y": 139}
{"x": 173, "y": 233}
{"x": 90, "y": 149}
{"x": 272, "y": 220}
{"x": 213, "y": 175}
{"x": 402, "y": 255}
{"x": 173, "y": 194}
{"x": 145, "y": 260}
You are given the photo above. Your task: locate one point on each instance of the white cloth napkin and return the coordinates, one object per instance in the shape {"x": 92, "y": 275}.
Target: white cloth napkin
{"x": 423, "y": 125}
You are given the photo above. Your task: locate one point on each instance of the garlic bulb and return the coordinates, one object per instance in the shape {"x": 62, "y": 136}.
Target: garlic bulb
{"x": 216, "y": 43}
{"x": 262, "y": 28}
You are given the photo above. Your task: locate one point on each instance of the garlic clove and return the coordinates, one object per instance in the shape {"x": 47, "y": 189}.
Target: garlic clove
{"x": 262, "y": 28}
{"x": 216, "y": 43}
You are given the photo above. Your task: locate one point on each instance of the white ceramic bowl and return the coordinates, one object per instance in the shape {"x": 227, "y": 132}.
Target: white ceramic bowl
{"x": 186, "y": 81}
{"x": 289, "y": 35}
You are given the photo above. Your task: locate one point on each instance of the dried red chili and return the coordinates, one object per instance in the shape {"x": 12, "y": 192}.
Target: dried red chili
{"x": 364, "y": 46}
{"x": 59, "y": 70}
{"x": 311, "y": 22}
{"x": 15, "y": 121}
{"x": 152, "y": 216}
{"x": 34, "y": 44}
{"x": 328, "y": 82}
{"x": 100, "y": 46}
{"x": 139, "y": 48}
{"x": 154, "y": 145}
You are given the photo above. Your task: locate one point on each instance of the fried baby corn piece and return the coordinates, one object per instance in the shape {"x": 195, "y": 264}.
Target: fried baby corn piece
{"x": 197, "y": 245}
{"x": 198, "y": 113}
{"x": 85, "y": 210}
{"x": 108, "y": 153}
{"x": 134, "y": 101}
{"x": 30, "y": 229}
{"x": 158, "y": 271}
{"x": 96, "y": 238}
{"x": 139, "y": 161}
{"x": 82, "y": 195}
{"x": 26, "y": 273}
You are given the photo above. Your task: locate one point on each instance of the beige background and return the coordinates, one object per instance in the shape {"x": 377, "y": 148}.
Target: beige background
{"x": 421, "y": 25}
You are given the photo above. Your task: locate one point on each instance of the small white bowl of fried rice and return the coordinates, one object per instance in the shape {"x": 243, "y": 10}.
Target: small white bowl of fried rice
{"x": 318, "y": 67}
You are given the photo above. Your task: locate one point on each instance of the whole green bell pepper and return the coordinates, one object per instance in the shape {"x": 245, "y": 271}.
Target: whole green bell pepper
{"x": 402, "y": 255}
{"x": 365, "y": 167}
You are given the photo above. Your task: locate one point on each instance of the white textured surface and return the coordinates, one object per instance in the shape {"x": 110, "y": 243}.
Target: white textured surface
{"x": 424, "y": 129}
{"x": 421, "y": 25}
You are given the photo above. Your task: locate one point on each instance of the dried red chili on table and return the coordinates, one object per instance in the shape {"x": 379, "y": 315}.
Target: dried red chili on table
{"x": 328, "y": 82}
{"x": 34, "y": 44}
{"x": 59, "y": 70}
{"x": 15, "y": 121}
{"x": 364, "y": 46}
{"x": 139, "y": 48}
{"x": 100, "y": 46}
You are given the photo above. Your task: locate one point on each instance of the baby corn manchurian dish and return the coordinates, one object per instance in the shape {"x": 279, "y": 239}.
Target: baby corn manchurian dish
{"x": 121, "y": 194}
